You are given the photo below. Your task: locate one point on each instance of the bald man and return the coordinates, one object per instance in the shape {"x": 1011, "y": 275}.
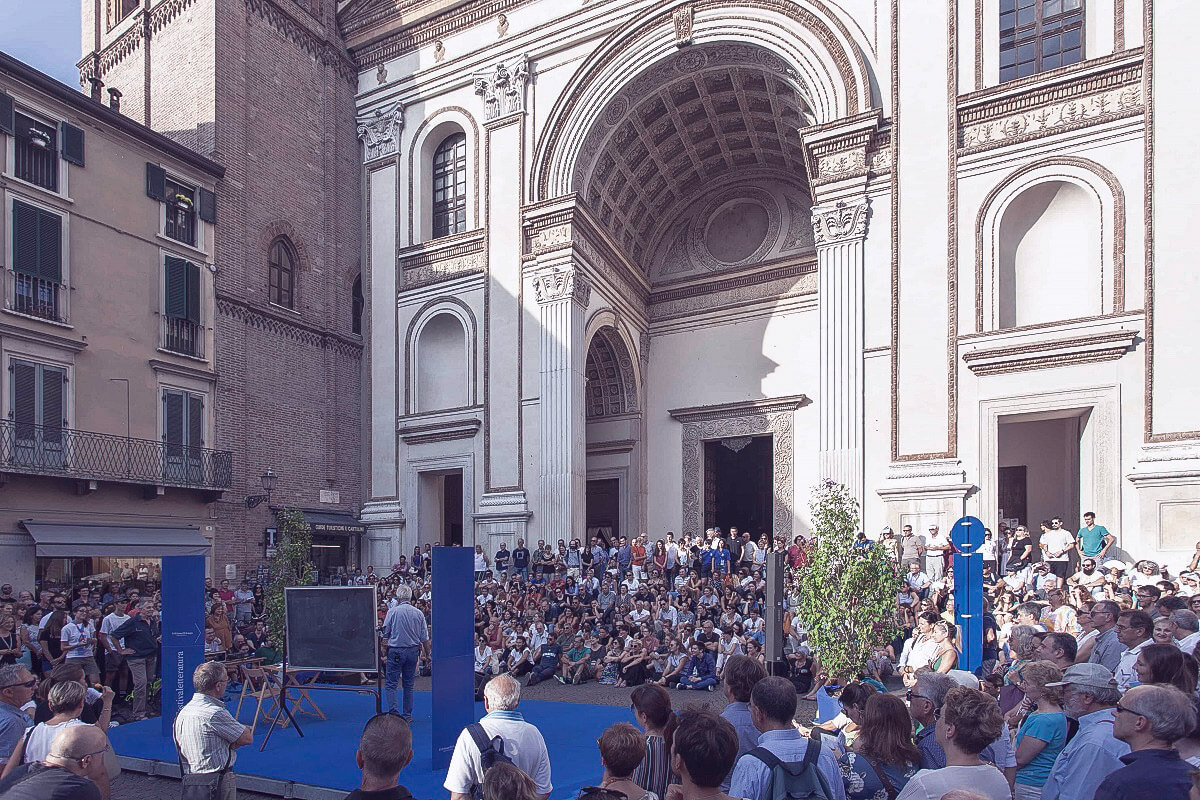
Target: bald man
{"x": 73, "y": 769}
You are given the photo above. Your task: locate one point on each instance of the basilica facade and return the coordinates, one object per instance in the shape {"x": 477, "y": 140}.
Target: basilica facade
{"x": 636, "y": 266}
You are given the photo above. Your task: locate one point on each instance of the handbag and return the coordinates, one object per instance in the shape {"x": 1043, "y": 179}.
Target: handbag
{"x": 199, "y": 785}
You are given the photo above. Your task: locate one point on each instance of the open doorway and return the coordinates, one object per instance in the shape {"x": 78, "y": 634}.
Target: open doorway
{"x": 1038, "y": 468}
{"x": 739, "y": 487}
{"x": 441, "y": 507}
{"x": 604, "y": 509}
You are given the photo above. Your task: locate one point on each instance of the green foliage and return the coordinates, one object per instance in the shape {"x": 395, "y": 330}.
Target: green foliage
{"x": 290, "y": 566}
{"x": 846, "y": 597}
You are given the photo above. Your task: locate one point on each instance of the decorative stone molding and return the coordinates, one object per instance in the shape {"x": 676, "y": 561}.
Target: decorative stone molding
{"x": 938, "y": 479}
{"x": 380, "y": 130}
{"x": 553, "y": 285}
{"x": 381, "y": 75}
{"x": 503, "y": 88}
{"x": 734, "y": 420}
{"x": 840, "y": 222}
{"x": 439, "y": 51}
{"x": 1044, "y": 354}
{"x": 443, "y": 431}
{"x": 280, "y": 325}
{"x": 1008, "y": 115}
{"x": 682, "y": 18}
{"x": 858, "y": 148}
{"x": 442, "y": 259}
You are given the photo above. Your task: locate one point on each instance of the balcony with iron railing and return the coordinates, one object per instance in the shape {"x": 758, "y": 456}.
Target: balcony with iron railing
{"x": 183, "y": 336}
{"x": 86, "y": 456}
{"x": 36, "y": 297}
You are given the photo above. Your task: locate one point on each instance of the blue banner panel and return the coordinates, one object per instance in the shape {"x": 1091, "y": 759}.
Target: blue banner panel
{"x": 182, "y": 631}
{"x": 453, "y": 648}
{"x": 967, "y": 536}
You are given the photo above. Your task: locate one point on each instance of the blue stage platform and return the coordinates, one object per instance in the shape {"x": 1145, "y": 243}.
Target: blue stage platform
{"x": 325, "y": 756}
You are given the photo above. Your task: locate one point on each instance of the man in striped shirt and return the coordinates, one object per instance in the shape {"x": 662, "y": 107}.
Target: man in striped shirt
{"x": 206, "y": 733}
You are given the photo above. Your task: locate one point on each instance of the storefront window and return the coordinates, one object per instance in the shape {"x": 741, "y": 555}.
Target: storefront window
{"x": 331, "y": 555}
{"x": 56, "y": 572}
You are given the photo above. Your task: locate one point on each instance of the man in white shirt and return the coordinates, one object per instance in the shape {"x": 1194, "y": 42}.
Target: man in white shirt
{"x": 1186, "y": 627}
{"x": 78, "y": 640}
{"x": 114, "y": 659}
{"x": 936, "y": 546}
{"x": 1133, "y": 630}
{"x": 1056, "y": 546}
{"x": 523, "y": 743}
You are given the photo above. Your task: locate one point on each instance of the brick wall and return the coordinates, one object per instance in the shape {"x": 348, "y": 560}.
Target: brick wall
{"x": 256, "y": 86}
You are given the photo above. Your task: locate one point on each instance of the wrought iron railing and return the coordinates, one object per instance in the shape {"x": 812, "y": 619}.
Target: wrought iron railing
{"x": 35, "y": 159}
{"x": 84, "y": 455}
{"x": 183, "y": 336}
{"x": 38, "y": 297}
{"x": 181, "y": 223}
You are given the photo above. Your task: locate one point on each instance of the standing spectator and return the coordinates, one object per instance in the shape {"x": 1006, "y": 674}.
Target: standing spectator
{"x": 1186, "y": 627}
{"x": 1168, "y": 665}
{"x": 773, "y": 708}
{"x": 1056, "y": 546}
{"x": 522, "y": 742}
{"x": 218, "y": 620}
{"x": 652, "y": 710}
{"x": 407, "y": 636}
{"x": 243, "y": 604}
{"x": 502, "y": 559}
{"x": 1043, "y": 734}
{"x": 970, "y": 721}
{"x": 1093, "y": 540}
{"x": 1089, "y": 696}
{"x": 520, "y": 559}
{"x": 911, "y": 547}
{"x": 1150, "y": 719}
{"x": 704, "y": 750}
{"x": 206, "y": 733}
{"x": 114, "y": 660}
{"x": 16, "y": 690}
{"x": 924, "y": 702}
{"x": 1108, "y": 648}
{"x": 1133, "y": 630}
{"x": 481, "y": 562}
{"x": 883, "y": 757}
{"x": 139, "y": 648}
{"x": 384, "y": 750}
{"x": 73, "y": 769}
{"x": 78, "y": 641}
{"x": 621, "y": 752}
{"x": 1057, "y": 648}
{"x": 936, "y": 548}
{"x": 742, "y": 674}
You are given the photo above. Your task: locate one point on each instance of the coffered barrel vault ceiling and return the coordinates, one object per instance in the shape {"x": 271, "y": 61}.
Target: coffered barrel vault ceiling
{"x": 693, "y": 119}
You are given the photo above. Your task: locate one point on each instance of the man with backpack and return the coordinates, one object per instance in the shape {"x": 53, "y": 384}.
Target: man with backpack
{"x": 785, "y": 765}
{"x": 501, "y": 736}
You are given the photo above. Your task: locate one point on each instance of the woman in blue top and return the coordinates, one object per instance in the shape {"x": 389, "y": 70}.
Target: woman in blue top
{"x": 720, "y": 557}
{"x": 1043, "y": 734}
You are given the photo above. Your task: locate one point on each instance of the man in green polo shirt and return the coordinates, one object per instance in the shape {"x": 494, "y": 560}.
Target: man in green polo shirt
{"x": 1093, "y": 540}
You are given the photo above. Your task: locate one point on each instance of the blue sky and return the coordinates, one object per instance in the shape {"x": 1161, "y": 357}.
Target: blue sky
{"x": 43, "y": 34}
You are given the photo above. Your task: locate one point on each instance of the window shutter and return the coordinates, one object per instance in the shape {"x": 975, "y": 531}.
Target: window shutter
{"x": 175, "y": 276}
{"x": 25, "y": 239}
{"x": 71, "y": 144}
{"x": 24, "y": 407}
{"x": 206, "y": 205}
{"x": 156, "y": 182}
{"x": 195, "y": 422}
{"x": 8, "y": 122}
{"x": 173, "y": 420}
{"x": 49, "y": 234}
{"x": 192, "y": 272}
{"x": 53, "y": 416}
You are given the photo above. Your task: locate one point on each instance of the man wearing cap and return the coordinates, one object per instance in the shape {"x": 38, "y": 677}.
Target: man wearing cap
{"x": 1093, "y": 540}
{"x": 936, "y": 547}
{"x": 1108, "y": 647}
{"x": 1090, "y": 694}
{"x": 887, "y": 540}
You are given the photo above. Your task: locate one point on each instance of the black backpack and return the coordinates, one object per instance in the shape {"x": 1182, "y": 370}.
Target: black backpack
{"x": 491, "y": 752}
{"x": 795, "y": 780}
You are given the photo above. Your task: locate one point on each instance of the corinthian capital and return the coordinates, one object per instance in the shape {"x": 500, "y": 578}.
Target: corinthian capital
{"x": 503, "y": 88}
{"x": 552, "y": 285}
{"x": 380, "y": 131}
{"x": 840, "y": 221}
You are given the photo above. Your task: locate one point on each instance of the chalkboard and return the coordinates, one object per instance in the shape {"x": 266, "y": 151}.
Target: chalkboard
{"x": 331, "y": 628}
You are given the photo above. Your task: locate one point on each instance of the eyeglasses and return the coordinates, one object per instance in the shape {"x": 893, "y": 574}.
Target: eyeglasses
{"x": 910, "y": 695}
{"x": 1119, "y": 708}
{"x": 29, "y": 684}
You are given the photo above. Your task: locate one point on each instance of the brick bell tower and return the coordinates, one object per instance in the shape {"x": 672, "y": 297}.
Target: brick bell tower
{"x": 266, "y": 88}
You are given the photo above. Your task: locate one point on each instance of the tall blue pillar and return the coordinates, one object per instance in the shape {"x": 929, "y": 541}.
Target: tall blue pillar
{"x": 453, "y": 648}
{"x": 967, "y": 536}
{"x": 182, "y": 631}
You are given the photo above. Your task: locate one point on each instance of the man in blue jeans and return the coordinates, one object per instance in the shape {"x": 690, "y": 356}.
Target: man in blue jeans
{"x": 407, "y": 635}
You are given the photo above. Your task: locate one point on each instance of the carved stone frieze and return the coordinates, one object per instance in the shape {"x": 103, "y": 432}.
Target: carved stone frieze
{"x": 544, "y": 240}
{"x": 442, "y": 259}
{"x": 503, "y": 88}
{"x": 839, "y": 222}
{"x": 683, "y": 21}
{"x": 552, "y": 285}
{"x": 380, "y": 130}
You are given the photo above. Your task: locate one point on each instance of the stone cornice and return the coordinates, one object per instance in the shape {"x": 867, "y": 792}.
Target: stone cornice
{"x": 387, "y": 33}
{"x": 1102, "y": 346}
{"x": 442, "y": 431}
{"x": 775, "y": 405}
{"x": 41, "y": 337}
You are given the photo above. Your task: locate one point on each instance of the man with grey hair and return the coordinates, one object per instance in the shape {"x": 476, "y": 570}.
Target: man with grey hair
{"x": 502, "y": 730}
{"x": 73, "y": 769}
{"x": 140, "y": 647}
{"x": 383, "y": 752}
{"x": 924, "y": 702}
{"x": 206, "y": 733}
{"x": 1108, "y": 648}
{"x": 1186, "y": 626}
{"x": 407, "y": 635}
{"x": 1089, "y": 695}
{"x": 17, "y": 686}
{"x": 1150, "y": 719}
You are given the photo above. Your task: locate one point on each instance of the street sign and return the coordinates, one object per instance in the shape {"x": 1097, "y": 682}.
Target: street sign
{"x": 967, "y": 536}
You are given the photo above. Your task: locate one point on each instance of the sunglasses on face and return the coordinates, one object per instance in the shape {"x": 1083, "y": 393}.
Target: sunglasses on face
{"x": 29, "y": 684}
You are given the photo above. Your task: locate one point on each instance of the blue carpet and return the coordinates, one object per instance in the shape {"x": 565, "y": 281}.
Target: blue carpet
{"x": 325, "y": 756}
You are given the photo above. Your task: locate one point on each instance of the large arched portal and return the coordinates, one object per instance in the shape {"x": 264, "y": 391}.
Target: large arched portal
{"x": 614, "y": 434}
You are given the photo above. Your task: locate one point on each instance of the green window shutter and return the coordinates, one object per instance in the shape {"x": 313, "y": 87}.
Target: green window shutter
{"x": 175, "y": 278}
{"x": 8, "y": 120}
{"x": 71, "y": 144}
{"x": 25, "y": 239}
{"x": 24, "y": 397}
{"x": 156, "y": 182}
{"x": 195, "y": 426}
{"x": 53, "y": 407}
{"x": 206, "y": 205}
{"x": 50, "y": 246}
{"x": 173, "y": 421}
{"x": 192, "y": 273}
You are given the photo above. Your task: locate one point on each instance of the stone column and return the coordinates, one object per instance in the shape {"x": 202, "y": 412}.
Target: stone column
{"x": 840, "y": 230}
{"x": 562, "y": 294}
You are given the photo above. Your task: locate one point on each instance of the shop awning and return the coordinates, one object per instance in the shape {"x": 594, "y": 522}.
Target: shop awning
{"x": 69, "y": 541}
{"x": 333, "y": 523}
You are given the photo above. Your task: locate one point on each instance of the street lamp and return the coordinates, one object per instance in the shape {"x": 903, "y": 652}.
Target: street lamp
{"x": 268, "y": 479}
